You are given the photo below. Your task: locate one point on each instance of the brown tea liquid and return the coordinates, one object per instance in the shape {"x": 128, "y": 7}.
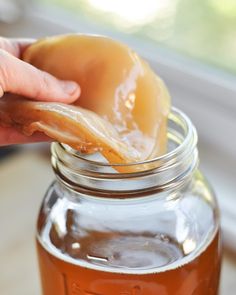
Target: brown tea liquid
{"x": 181, "y": 275}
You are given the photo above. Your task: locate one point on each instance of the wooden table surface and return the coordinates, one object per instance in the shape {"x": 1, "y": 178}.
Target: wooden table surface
{"x": 24, "y": 178}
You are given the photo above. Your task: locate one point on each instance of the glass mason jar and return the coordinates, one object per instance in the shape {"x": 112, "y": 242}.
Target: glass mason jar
{"x": 154, "y": 231}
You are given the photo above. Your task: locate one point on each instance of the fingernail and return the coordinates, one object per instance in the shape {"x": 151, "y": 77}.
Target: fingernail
{"x": 69, "y": 87}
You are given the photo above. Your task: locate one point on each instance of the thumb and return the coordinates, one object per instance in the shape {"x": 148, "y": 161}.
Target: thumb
{"x": 19, "y": 77}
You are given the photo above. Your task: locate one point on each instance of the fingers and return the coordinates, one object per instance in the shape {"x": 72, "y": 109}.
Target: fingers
{"x": 15, "y": 46}
{"x": 19, "y": 77}
{"x": 10, "y": 136}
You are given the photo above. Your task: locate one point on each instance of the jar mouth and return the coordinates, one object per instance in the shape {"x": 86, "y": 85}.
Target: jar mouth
{"x": 185, "y": 136}
{"x": 81, "y": 173}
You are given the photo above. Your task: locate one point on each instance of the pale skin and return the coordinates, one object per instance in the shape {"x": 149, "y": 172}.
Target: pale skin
{"x": 19, "y": 77}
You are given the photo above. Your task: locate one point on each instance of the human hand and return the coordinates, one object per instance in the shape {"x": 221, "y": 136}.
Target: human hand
{"x": 19, "y": 77}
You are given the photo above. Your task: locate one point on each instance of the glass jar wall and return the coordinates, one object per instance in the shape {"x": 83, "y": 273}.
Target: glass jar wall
{"x": 151, "y": 231}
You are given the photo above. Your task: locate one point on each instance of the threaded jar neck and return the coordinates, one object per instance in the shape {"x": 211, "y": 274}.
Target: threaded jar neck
{"x": 94, "y": 175}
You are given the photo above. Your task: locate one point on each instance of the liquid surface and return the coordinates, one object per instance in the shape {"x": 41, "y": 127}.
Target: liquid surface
{"x": 165, "y": 273}
{"x": 123, "y": 107}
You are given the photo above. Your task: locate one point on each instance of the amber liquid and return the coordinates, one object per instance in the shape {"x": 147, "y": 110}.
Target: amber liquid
{"x": 199, "y": 276}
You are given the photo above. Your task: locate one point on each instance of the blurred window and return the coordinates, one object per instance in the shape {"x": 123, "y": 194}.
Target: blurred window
{"x": 203, "y": 29}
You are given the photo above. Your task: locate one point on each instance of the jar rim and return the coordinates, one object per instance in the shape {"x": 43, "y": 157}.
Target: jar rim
{"x": 176, "y": 115}
{"x": 162, "y": 173}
